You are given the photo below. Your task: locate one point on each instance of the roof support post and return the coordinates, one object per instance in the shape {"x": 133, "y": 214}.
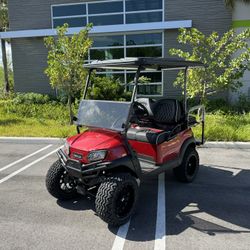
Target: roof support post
{"x": 87, "y": 84}
{"x": 136, "y": 79}
{"x": 185, "y": 90}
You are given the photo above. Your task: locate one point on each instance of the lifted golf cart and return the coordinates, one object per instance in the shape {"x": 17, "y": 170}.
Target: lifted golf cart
{"x": 125, "y": 141}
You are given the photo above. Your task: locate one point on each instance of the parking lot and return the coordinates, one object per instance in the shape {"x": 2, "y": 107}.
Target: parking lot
{"x": 211, "y": 213}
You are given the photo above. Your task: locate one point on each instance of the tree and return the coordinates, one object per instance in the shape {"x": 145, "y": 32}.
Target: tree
{"x": 66, "y": 56}
{"x": 231, "y": 3}
{"x": 4, "y": 24}
{"x": 223, "y": 68}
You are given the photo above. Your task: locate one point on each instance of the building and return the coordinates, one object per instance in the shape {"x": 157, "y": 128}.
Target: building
{"x": 241, "y": 20}
{"x": 122, "y": 28}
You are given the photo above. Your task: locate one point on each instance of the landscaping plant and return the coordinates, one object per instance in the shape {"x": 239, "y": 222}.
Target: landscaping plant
{"x": 66, "y": 55}
{"x": 223, "y": 69}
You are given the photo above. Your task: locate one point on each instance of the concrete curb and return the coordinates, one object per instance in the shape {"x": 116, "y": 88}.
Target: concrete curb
{"x": 227, "y": 145}
{"x": 49, "y": 140}
{"x": 32, "y": 140}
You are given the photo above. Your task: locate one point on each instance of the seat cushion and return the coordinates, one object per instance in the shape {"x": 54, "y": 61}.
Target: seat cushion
{"x": 152, "y": 136}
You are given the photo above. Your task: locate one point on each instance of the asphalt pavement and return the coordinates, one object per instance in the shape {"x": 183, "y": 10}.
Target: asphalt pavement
{"x": 211, "y": 213}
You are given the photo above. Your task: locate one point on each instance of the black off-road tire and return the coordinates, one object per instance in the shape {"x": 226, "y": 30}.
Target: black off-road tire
{"x": 55, "y": 175}
{"x": 189, "y": 167}
{"x": 111, "y": 197}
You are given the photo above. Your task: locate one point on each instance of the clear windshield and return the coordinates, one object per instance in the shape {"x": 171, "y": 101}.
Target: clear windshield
{"x": 103, "y": 114}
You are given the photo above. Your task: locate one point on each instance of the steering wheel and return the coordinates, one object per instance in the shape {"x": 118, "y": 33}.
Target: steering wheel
{"x": 140, "y": 110}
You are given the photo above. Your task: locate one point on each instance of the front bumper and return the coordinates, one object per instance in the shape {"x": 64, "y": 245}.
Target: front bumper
{"x": 79, "y": 170}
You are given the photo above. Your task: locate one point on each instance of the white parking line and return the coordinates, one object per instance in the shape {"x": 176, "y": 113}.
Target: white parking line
{"x": 24, "y": 158}
{"x": 121, "y": 237}
{"x": 27, "y": 166}
{"x": 160, "y": 231}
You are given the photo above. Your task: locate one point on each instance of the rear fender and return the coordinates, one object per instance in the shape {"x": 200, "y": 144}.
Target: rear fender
{"x": 190, "y": 142}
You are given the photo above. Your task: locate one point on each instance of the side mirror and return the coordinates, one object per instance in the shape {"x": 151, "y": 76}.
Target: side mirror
{"x": 75, "y": 119}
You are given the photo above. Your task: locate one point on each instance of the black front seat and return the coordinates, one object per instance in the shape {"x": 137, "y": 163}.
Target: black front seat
{"x": 167, "y": 115}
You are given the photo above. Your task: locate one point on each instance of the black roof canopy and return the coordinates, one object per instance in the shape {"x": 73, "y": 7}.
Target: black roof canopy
{"x": 147, "y": 63}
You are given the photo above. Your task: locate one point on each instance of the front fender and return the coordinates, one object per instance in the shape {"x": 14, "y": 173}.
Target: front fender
{"x": 125, "y": 164}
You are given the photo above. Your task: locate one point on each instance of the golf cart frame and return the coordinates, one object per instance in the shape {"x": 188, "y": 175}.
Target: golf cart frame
{"x": 150, "y": 63}
{"x": 134, "y": 151}
{"x": 132, "y": 162}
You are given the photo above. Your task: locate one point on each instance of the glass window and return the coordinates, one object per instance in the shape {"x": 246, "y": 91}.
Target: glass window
{"x": 116, "y": 76}
{"x": 151, "y": 89}
{"x": 134, "y": 5}
{"x": 153, "y": 77}
{"x": 144, "y": 17}
{"x": 102, "y": 54}
{"x": 69, "y": 10}
{"x": 107, "y": 41}
{"x": 107, "y": 7}
{"x": 106, "y": 20}
{"x": 145, "y": 52}
{"x": 139, "y": 39}
{"x": 72, "y": 22}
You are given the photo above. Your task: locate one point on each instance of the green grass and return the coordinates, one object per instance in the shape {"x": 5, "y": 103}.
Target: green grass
{"x": 51, "y": 120}
{"x": 12, "y": 125}
{"x": 229, "y": 127}
{"x": 44, "y": 120}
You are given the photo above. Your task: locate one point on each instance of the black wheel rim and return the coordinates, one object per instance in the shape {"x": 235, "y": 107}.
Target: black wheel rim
{"x": 191, "y": 166}
{"x": 124, "y": 201}
{"x": 67, "y": 184}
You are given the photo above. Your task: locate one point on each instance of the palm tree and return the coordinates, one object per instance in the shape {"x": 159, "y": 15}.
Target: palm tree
{"x": 231, "y": 2}
{"x": 4, "y": 24}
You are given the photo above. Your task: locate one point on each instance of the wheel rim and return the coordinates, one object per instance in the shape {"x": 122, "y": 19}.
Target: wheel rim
{"x": 191, "y": 166}
{"x": 67, "y": 184}
{"x": 124, "y": 201}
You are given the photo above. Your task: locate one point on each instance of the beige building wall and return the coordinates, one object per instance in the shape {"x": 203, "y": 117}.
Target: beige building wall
{"x": 241, "y": 21}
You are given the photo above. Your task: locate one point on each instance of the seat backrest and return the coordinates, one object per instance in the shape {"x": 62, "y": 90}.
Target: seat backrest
{"x": 168, "y": 111}
{"x": 148, "y": 103}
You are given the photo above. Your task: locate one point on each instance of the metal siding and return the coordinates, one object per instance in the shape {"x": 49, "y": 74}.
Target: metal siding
{"x": 29, "y": 62}
{"x": 207, "y": 16}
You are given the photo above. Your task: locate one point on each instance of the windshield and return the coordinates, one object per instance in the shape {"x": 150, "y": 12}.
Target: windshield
{"x": 103, "y": 114}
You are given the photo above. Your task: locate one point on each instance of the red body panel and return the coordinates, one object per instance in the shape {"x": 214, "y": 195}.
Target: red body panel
{"x": 163, "y": 152}
{"x": 97, "y": 139}
{"x": 169, "y": 150}
{"x": 113, "y": 142}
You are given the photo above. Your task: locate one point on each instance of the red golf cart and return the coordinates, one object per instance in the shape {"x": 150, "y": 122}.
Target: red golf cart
{"x": 122, "y": 142}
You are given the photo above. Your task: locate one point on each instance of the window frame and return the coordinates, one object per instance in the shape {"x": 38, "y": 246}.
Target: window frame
{"x": 123, "y": 12}
{"x": 125, "y": 46}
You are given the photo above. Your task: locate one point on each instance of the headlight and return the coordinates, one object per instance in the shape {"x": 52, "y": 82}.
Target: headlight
{"x": 97, "y": 155}
{"x": 66, "y": 148}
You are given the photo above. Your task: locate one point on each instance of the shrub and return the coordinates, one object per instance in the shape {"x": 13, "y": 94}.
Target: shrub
{"x": 31, "y": 98}
{"x": 53, "y": 111}
{"x": 108, "y": 88}
{"x": 243, "y": 104}
{"x": 221, "y": 106}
